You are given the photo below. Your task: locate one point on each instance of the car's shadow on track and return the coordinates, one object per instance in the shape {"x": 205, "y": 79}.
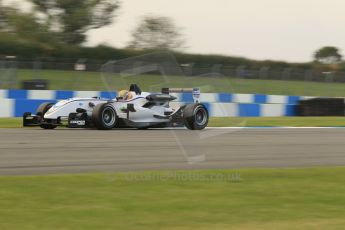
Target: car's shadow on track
{"x": 112, "y": 130}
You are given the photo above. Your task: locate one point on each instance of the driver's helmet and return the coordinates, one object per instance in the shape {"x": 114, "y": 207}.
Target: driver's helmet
{"x": 123, "y": 94}
{"x": 126, "y": 95}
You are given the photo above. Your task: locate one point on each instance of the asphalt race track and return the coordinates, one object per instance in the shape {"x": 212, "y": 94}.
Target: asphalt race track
{"x": 36, "y": 151}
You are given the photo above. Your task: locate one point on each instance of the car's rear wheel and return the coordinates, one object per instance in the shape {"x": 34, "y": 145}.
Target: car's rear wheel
{"x": 195, "y": 116}
{"x": 42, "y": 109}
{"x": 104, "y": 116}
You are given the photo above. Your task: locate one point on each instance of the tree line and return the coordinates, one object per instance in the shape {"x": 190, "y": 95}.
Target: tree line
{"x": 56, "y": 30}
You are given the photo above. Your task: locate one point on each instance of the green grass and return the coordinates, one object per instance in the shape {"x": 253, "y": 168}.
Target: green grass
{"x": 11, "y": 122}
{"x": 306, "y": 198}
{"x": 238, "y": 121}
{"x": 277, "y": 121}
{"x": 73, "y": 80}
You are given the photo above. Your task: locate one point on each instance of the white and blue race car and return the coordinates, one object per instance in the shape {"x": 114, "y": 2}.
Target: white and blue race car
{"x": 134, "y": 109}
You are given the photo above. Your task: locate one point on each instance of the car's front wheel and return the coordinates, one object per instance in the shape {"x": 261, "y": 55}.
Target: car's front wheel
{"x": 104, "y": 116}
{"x": 42, "y": 109}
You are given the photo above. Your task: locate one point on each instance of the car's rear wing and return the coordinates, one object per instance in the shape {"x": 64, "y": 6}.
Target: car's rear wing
{"x": 195, "y": 92}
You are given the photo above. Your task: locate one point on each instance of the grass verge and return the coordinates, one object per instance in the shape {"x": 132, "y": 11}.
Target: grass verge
{"x": 277, "y": 121}
{"x": 11, "y": 123}
{"x": 239, "y": 122}
{"x": 76, "y": 80}
{"x": 306, "y": 198}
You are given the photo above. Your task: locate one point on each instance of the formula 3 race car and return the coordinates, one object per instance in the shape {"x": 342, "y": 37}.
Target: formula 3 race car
{"x": 141, "y": 110}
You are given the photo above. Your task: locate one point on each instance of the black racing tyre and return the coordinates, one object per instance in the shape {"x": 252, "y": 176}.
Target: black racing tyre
{"x": 42, "y": 109}
{"x": 104, "y": 116}
{"x": 195, "y": 116}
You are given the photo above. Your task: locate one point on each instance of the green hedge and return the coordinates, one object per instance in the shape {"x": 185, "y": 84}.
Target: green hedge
{"x": 26, "y": 49}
